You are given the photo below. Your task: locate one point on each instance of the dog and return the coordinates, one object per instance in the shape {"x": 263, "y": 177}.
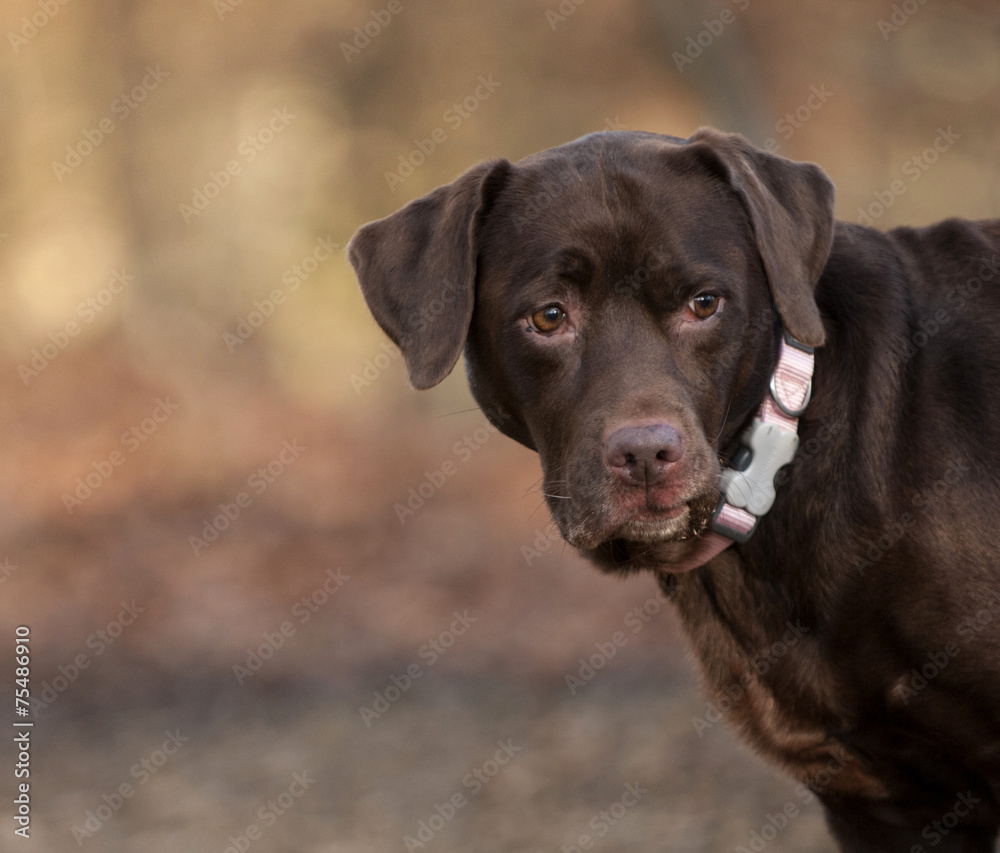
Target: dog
{"x": 792, "y": 422}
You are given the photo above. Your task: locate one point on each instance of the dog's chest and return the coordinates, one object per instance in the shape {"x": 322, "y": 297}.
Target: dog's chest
{"x": 776, "y": 691}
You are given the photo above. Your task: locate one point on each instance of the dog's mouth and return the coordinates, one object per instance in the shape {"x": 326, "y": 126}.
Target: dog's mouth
{"x": 652, "y": 539}
{"x": 652, "y": 526}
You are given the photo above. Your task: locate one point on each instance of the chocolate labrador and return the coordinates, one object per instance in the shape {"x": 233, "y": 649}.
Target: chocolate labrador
{"x": 793, "y": 422}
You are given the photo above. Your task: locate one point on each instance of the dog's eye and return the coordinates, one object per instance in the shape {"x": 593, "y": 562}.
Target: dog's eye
{"x": 546, "y": 320}
{"x": 704, "y": 306}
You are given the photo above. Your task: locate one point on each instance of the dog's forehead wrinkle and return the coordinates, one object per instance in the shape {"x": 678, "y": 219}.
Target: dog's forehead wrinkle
{"x": 629, "y": 230}
{"x": 606, "y": 173}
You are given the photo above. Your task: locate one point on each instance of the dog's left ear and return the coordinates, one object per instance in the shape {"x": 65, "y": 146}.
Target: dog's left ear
{"x": 417, "y": 270}
{"x": 791, "y": 210}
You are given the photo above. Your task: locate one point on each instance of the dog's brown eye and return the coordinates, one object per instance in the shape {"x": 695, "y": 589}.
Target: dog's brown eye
{"x": 546, "y": 320}
{"x": 704, "y": 306}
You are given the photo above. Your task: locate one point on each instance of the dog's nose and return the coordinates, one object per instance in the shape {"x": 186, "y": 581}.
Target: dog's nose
{"x": 643, "y": 455}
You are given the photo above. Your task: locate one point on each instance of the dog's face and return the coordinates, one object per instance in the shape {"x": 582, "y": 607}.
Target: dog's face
{"x": 616, "y": 335}
{"x": 620, "y": 300}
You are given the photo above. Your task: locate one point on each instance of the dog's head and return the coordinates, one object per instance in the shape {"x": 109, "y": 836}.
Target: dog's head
{"x": 620, "y": 300}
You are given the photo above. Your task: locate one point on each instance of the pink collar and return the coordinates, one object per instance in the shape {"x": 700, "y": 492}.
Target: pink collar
{"x": 768, "y": 444}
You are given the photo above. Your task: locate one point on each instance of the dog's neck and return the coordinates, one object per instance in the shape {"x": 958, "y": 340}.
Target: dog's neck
{"x": 766, "y": 446}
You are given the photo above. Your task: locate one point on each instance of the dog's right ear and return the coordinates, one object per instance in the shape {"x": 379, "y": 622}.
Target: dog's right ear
{"x": 790, "y": 206}
{"x": 417, "y": 270}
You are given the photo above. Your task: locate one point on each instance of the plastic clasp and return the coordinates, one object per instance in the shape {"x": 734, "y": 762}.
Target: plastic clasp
{"x": 752, "y": 488}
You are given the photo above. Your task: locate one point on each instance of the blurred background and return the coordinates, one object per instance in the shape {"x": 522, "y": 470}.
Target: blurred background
{"x": 261, "y": 616}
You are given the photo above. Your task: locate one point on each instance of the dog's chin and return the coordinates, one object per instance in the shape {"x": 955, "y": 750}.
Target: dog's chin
{"x": 655, "y": 544}
{"x": 673, "y": 526}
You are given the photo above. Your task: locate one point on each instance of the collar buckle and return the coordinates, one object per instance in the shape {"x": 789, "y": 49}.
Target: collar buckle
{"x": 768, "y": 445}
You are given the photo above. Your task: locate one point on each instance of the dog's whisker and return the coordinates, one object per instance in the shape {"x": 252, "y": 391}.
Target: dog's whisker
{"x": 459, "y": 412}
{"x": 725, "y": 419}
{"x": 532, "y": 513}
